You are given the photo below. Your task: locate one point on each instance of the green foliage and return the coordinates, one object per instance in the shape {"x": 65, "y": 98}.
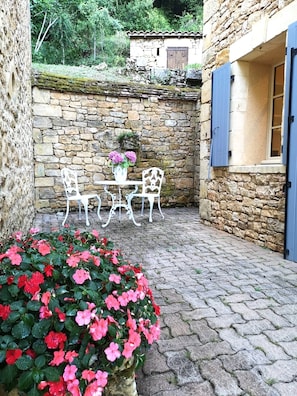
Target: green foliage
{"x": 76, "y": 32}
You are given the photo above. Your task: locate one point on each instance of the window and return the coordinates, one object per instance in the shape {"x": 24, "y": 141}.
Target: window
{"x": 257, "y": 96}
{"x": 277, "y": 111}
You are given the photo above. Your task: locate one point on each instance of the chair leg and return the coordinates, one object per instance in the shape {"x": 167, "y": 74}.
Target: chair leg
{"x": 159, "y": 206}
{"x": 99, "y": 207}
{"x": 67, "y": 212}
{"x": 151, "y": 201}
{"x": 79, "y": 210}
{"x": 142, "y": 206}
{"x": 85, "y": 202}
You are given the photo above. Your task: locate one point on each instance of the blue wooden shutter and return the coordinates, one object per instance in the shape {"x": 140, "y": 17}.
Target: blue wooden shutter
{"x": 291, "y": 46}
{"x": 220, "y": 115}
{"x": 290, "y": 139}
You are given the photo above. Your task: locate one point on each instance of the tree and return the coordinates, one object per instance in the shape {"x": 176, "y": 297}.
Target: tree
{"x": 87, "y": 31}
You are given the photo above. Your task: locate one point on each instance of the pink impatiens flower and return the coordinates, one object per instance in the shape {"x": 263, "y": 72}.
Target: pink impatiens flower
{"x": 101, "y": 377}
{"x": 112, "y": 352}
{"x": 43, "y": 247}
{"x": 83, "y": 317}
{"x": 115, "y": 278}
{"x": 132, "y": 343}
{"x": 112, "y": 302}
{"x": 69, "y": 373}
{"x": 80, "y": 276}
{"x": 98, "y": 329}
{"x": 12, "y": 254}
{"x": 58, "y": 358}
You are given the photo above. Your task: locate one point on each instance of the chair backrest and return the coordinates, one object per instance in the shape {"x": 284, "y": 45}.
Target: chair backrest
{"x": 69, "y": 178}
{"x": 152, "y": 180}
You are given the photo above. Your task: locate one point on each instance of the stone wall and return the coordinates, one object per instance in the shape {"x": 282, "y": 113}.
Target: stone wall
{"x": 76, "y": 123}
{"x": 250, "y": 206}
{"x": 16, "y": 144}
{"x": 231, "y": 201}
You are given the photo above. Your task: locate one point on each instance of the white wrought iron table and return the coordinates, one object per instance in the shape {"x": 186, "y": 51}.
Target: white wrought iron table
{"x": 118, "y": 202}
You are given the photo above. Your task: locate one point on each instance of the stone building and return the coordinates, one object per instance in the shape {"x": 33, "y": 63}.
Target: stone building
{"x": 248, "y": 169}
{"x": 165, "y": 50}
{"x": 16, "y": 143}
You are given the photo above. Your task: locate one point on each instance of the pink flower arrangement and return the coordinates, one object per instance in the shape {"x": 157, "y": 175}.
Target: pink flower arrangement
{"x": 72, "y": 310}
{"x": 124, "y": 160}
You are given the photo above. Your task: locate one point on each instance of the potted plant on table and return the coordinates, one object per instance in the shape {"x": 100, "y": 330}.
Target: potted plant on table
{"x": 73, "y": 315}
{"x": 120, "y": 163}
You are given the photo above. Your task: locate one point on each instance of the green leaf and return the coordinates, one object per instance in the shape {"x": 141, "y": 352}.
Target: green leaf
{"x": 2, "y": 356}
{"x": 5, "y": 341}
{"x": 13, "y": 290}
{"x": 29, "y": 319}
{"x": 52, "y": 374}
{"x": 37, "y": 375}
{"x": 40, "y": 329}
{"x": 9, "y": 374}
{"x": 21, "y": 330}
{"x": 6, "y": 327}
{"x": 3, "y": 279}
{"x": 16, "y": 305}
{"x": 33, "y": 392}
{"x": 24, "y": 362}
{"x": 33, "y": 306}
{"x": 61, "y": 290}
{"x": 71, "y": 311}
{"x": 39, "y": 346}
{"x": 40, "y": 361}
{"x": 78, "y": 295}
{"x": 13, "y": 317}
{"x": 26, "y": 381}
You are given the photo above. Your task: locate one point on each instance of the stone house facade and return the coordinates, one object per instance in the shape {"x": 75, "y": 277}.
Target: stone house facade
{"x": 165, "y": 50}
{"x": 76, "y": 124}
{"x": 247, "y": 156}
{"x": 16, "y": 143}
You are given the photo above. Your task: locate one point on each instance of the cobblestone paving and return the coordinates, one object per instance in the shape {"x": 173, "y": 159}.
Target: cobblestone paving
{"x": 229, "y": 308}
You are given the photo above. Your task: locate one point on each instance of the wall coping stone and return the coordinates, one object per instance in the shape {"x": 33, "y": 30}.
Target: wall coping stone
{"x": 89, "y": 86}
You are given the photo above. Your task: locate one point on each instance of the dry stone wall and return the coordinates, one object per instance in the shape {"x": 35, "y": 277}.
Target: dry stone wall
{"x": 76, "y": 124}
{"x": 16, "y": 144}
{"x": 232, "y": 201}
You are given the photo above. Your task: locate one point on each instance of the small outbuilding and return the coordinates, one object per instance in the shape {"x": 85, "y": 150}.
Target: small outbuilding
{"x": 165, "y": 50}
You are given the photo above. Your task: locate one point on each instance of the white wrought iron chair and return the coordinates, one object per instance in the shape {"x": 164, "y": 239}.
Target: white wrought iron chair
{"x": 152, "y": 179}
{"x": 69, "y": 178}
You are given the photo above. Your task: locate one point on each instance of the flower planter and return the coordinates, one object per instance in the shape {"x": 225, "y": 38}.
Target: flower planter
{"x": 122, "y": 381}
{"x": 120, "y": 174}
{"x": 74, "y": 316}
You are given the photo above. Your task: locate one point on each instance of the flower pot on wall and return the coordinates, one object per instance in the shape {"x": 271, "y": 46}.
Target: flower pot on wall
{"x": 129, "y": 141}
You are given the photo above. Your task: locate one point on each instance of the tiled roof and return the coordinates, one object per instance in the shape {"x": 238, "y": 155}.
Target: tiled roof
{"x": 148, "y": 34}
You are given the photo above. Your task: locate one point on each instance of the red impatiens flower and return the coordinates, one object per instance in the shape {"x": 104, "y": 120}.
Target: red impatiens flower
{"x": 48, "y": 270}
{"x": 4, "y": 311}
{"x": 55, "y": 340}
{"x": 12, "y": 355}
{"x": 32, "y": 285}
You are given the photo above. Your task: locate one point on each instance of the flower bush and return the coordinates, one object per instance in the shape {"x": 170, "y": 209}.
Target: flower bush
{"x": 123, "y": 160}
{"x": 72, "y": 311}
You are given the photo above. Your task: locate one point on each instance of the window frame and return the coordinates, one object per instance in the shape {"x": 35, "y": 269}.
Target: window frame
{"x": 269, "y": 157}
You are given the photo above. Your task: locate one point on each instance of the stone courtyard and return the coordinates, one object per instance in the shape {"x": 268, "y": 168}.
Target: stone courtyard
{"x": 228, "y": 307}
